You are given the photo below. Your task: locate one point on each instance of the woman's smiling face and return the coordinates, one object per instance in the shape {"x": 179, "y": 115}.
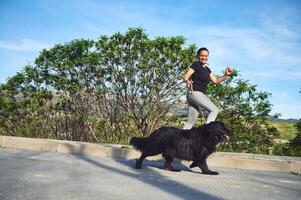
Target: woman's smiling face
{"x": 203, "y": 57}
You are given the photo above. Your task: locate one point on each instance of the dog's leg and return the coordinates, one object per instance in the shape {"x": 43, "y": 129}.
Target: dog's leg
{"x": 203, "y": 155}
{"x": 194, "y": 164}
{"x": 140, "y": 161}
{"x": 167, "y": 164}
{"x": 169, "y": 167}
{"x": 204, "y": 167}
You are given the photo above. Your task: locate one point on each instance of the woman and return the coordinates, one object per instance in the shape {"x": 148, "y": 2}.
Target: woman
{"x": 197, "y": 78}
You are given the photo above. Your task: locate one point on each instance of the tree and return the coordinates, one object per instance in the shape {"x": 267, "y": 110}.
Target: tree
{"x": 143, "y": 76}
{"x": 244, "y": 109}
{"x": 119, "y": 86}
{"x": 296, "y": 142}
{"x": 101, "y": 91}
{"x": 62, "y": 72}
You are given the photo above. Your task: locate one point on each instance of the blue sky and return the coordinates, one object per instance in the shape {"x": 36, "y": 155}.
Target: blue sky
{"x": 260, "y": 38}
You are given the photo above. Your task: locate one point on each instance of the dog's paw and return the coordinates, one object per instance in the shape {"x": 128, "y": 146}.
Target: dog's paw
{"x": 193, "y": 164}
{"x": 210, "y": 172}
{"x": 137, "y": 166}
{"x": 172, "y": 169}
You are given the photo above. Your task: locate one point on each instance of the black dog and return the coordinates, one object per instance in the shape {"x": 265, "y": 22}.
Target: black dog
{"x": 195, "y": 144}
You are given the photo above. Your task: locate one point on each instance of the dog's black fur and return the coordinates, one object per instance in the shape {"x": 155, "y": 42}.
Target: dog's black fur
{"x": 194, "y": 145}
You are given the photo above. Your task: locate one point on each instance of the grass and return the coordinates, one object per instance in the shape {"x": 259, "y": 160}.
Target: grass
{"x": 287, "y": 130}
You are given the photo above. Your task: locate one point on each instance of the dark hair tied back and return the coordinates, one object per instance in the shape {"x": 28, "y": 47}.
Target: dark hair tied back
{"x": 201, "y": 49}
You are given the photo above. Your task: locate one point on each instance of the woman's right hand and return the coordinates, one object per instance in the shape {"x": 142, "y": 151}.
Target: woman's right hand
{"x": 186, "y": 78}
{"x": 189, "y": 84}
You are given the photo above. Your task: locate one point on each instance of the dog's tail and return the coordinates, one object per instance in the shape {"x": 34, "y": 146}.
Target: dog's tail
{"x": 138, "y": 143}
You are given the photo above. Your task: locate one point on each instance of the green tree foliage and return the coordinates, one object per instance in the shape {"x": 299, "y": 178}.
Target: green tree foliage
{"x": 119, "y": 86}
{"x": 296, "y": 142}
{"x": 42, "y": 95}
{"x": 293, "y": 148}
{"x": 244, "y": 110}
{"x": 143, "y": 76}
{"x": 103, "y": 91}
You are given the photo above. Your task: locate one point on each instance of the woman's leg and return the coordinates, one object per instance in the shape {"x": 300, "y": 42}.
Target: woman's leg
{"x": 202, "y": 100}
{"x": 193, "y": 112}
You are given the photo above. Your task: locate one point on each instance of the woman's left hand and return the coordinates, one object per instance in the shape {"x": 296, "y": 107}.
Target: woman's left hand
{"x": 228, "y": 71}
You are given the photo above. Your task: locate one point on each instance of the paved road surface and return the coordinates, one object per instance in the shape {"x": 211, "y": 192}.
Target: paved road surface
{"x": 29, "y": 175}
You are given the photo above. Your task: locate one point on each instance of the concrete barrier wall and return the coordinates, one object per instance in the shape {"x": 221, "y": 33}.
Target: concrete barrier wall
{"x": 122, "y": 152}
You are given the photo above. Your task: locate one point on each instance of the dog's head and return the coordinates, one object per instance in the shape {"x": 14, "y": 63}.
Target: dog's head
{"x": 217, "y": 131}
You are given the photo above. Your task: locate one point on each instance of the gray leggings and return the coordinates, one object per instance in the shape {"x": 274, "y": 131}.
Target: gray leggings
{"x": 197, "y": 99}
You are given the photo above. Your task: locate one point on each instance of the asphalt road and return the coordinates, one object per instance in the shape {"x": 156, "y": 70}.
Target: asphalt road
{"x": 29, "y": 175}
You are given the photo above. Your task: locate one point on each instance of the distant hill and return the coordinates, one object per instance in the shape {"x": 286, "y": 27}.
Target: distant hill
{"x": 292, "y": 120}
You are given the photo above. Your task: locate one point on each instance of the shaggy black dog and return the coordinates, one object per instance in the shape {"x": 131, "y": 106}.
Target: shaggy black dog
{"x": 195, "y": 144}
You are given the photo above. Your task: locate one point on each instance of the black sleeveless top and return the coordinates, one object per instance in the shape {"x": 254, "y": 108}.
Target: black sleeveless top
{"x": 200, "y": 77}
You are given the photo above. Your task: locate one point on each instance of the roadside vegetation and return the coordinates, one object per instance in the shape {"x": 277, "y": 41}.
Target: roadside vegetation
{"x": 122, "y": 85}
{"x": 288, "y": 141}
{"x": 286, "y": 130}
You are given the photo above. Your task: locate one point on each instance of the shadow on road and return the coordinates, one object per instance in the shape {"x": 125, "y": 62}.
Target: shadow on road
{"x": 156, "y": 180}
